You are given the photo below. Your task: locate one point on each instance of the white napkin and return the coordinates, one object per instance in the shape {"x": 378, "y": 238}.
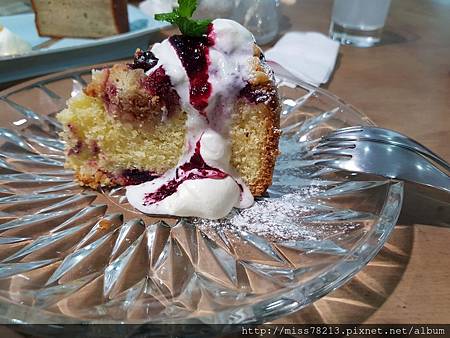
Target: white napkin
{"x": 309, "y": 56}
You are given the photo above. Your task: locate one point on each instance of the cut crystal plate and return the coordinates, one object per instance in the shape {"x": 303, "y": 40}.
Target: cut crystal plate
{"x": 71, "y": 255}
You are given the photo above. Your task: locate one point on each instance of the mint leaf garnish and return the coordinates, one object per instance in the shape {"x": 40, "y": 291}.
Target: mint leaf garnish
{"x": 186, "y": 8}
{"x": 169, "y": 17}
{"x": 182, "y": 17}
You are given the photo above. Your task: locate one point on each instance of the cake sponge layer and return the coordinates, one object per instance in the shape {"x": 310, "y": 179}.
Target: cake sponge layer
{"x": 103, "y": 151}
{"x": 97, "y": 142}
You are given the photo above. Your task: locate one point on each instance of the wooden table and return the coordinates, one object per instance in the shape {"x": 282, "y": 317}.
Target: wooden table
{"x": 403, "y": 84}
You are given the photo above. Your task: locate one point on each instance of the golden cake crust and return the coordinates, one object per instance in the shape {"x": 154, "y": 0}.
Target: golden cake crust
{"x": 269, "y": 155}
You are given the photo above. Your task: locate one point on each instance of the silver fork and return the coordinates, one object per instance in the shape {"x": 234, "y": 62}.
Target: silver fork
{"x": 387, "y": 136}
{"x": 380, "y": 158}
{"x": 390, "y": 154}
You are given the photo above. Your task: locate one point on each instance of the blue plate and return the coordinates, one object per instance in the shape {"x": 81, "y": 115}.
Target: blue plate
{"x": 68, "y": 53}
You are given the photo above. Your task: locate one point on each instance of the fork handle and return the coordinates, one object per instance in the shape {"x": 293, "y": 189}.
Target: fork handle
{"x": 423, "y": 151}
{"x": 425, "y": 205}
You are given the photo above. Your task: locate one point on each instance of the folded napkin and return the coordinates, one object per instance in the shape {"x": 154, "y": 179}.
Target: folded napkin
{"x": 308, "y": 56}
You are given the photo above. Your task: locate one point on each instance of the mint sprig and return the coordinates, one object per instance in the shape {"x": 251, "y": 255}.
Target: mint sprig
{"x": 182, "y": 17}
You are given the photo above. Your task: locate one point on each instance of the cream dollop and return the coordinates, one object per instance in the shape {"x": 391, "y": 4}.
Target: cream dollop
{"x": 228, "y": 73}
{"x": 208, "y": 198}
{"x": 12, "y": 44}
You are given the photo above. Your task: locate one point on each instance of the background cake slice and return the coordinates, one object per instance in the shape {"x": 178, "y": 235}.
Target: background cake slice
{"x": 81, "y": 18}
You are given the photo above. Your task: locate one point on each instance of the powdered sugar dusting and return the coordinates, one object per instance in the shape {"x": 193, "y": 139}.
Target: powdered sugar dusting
{"x": 274, "y": 218}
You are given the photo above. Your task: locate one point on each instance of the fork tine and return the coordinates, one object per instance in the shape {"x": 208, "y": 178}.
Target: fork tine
{"x": 336, "y": 144}
{"x": 383, "y": 156}
{"x": 335, "y": 149}
{"x": 336, "y": 152}
{"x": 332, "y": 162}
{"x": 346, "y": 130}
{"x": 343, "y": 163}
{"x": 376, "y": 134}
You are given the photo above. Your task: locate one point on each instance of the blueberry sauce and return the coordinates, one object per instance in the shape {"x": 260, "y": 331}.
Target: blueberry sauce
{"x": 136, "y": 176}
{"x": 143, "y": 60}
{"x": 109, "y": 96}
{"x": 262, "y": 57}
{"x": 76, "y": 149}
{"x": 259, "y": 94}
{"x": 194, "y": 55}
{"x": 159, "y": 84}
{"x": 95, "y": 149}
{"x": 111, "y": 90}
{"x": 195, "y": 169}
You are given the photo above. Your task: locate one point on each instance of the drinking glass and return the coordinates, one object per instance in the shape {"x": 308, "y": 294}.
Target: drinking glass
{"x": 358, "y": 22}
{"x": 260, "y": 17}
{"x": 214, "y": 9}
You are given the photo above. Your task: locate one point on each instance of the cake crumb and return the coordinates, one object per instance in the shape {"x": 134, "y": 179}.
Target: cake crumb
{"x": 104, "y": 224}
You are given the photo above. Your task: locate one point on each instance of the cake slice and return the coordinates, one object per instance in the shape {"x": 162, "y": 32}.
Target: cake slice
{"x": 81, "y": 18}
{"x": 190, "y": 111}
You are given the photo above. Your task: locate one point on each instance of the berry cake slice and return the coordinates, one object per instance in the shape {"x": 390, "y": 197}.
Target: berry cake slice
{"x": 189, "y": 109}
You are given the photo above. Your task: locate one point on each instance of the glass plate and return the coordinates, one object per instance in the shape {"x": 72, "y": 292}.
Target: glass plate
{"x": 71, "y": 255}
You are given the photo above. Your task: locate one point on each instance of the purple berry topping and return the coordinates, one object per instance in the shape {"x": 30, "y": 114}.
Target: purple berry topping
{"x": 144, "y": 60}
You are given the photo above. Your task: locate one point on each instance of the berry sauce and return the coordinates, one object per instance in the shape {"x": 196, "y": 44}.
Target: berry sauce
{"x": 143, "y": 60}
{"x": 76, "y": 149}
{"x": 109, "y": 96}
{"x": 254, "y": 94}
{"x": 95, "y": 149}
{"x": 260, "y": 94}
{"x": 159, "y": 84}
{"x": 194, "y": 55}
{"x": 195, "y": 169}
{"x": 136, "y": 176}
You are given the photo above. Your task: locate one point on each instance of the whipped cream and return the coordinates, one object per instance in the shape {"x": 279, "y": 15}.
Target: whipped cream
{"x": 208, "y": 198}
{"x": 203, "y": 184}
{"x": 12, "y": 44}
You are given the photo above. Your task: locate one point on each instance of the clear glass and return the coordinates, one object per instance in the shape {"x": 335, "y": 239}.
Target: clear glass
{"x": 215, "y": 9}
{"x": 359, "y": 22}
{"x": 261, "y": 17}
{"x": 69, "y": 254}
